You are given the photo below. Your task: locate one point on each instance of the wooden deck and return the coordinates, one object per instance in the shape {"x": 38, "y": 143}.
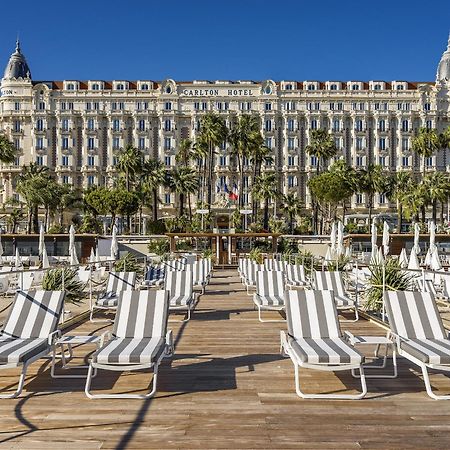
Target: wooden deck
{"x": 227, "y": 387}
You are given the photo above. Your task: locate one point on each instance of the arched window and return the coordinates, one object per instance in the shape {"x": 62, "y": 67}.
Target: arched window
{"x": 144, "y": 87}
{"x": 359, "y": 125}
{"x": 405, "y": 125}
{"x": 377, "y": 87}
{"x": 355, "y": 87}
{"x": 400, "y": 87}
{"x": 120, "y": 87}
{"x": 333, "y": 87}
{"x": 314, "y": 124}
{"x": 382, "y": 125}
{"x": 311, "y": 87}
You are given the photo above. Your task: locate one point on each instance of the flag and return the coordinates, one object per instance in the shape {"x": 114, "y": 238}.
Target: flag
{"x": 225, "y": 188}
{"x": 233, "y": 195}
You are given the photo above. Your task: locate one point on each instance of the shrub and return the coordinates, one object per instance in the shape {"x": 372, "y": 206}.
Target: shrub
{"x": 256, "y": 255}
{"x": 127, "y": 263}
{"x": 159, "y": 247}
{"x": 73, "y": 288}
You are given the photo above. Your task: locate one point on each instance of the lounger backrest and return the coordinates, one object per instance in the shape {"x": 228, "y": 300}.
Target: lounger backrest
{"x": 179, "y": 282}
{"x": 141, "y": 314}
{"x": 25, "y": 280}
{"x": 273, "y": 264}
{"x": 312, "y": 314}
{"x": 154, "y": 273}
{"x": 34, "y": 314}
{"x": 199, "y": 272}
{"x": 121, "y": 281}
{"x": 295, "y": 272}
{"x": 329, "y": 281}
{"x": 270, "y": 282}
{"x": 414, "y": 315}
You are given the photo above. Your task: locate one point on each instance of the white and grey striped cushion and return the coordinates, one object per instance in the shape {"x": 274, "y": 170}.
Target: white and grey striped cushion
{"x": 199, "y": 273}
{"x": 332, "y": 281}
{"x": 108, "y": 301}
{"x": 14, "y": 350}
{"x": 273, "y": 264}
{"x": 295, "y": 274}
{"x": 325, "y": 351}
{"x": 314, "y": 332}
{"x": 139, "y": 329}
{"x": 120, "y": 281}
{"x": 252, "y": 271}
{"x": 180, "y": 285}
{"x": 154, "y": 275}
{"x": 427, "y": 286}
{"x": 431, "y": 351}
{"x": 312, "y": 314}
{"x": 34, "y": 314}
{"x": 270, "y": 287}
{"x": 414, "y": 315}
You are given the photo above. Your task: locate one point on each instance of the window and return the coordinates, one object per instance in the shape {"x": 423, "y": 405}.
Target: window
{"x": 269, "y": 142}
{"x": 288, "y": 87}
{"x": 65, "y": 125}
{"x": 16, "y": 143}
{"x": 65, "y": 179}
{"x": 120, "y": 87}
{"x": 290, "y": 106}
{"x": 91, "y": 160}
{"x": 168, "y": 161}
{"x": 359, "y": 143}
{"x": 41, "y": 106}
{"x": 167, "y": 125}
{"x": 427, "y": 107}
{"x": 381, "y": 125}
{"x": 65, "y": 143}
{"x": 291, "y": 181}
{"x": 382, "y": 161}
{"x": 291, "y": 160}
{"x": 429, "y": 124}
{"x": 245, "y": 106}
{"x": 359, "y": 199}
{"x": 429, "y": 162}
{"x": 16, "y": 106}
{"x": 17, "y": 125}
{"x": 222, "y": 160}
{"x": 290, "y": 125}
{"x": 268, "y": 125}
{"x": 311, "y": 87}
{"x": 405, "y": 144}
{"x": 333, "y": 87}
{"x": 95, "y": 87}
{"x": 167, "y": 143}
{"x": 116, "y": 125}
{"x": 144, "y": 87}
{"x": 400, "y": 87}
{"x": 291, "y": 143}
{"x": 141, "y": 125}
{"x": 314, "y": 161}
{"x": 336, "y": 125}
{"x": 167, "y": 199}
{"x": 405, "y": 161}
{"x": 40, "y": 160}
{"x": 39, "y": 124}
{"x": 245, "y": 181}
{"x": 116, "y": 143}
{"x": 90, "y": 124}
{"x": 65, "y": 160}
{"x": 88, "y": 106}
{"x": 141, "y": 143}
{"x": 377, "y": 87}
{"x": 168, "y": 106}
{"x": 355, "y": 87}
{"x": 268, "y": 106}
{"x": 382, "y": 199}
{"x": 90, "y": 180}
{"x": 314, "y": 124}
{"x": 359, "y": 161}
{"x": 382, "y": 144}
{"x": 17, "y": 161}
{"x": 39, "y": 143}
{"x": 405, "y": 125}
{"x": 359, "y": 125}
{"x": 91, "y": 143}
{"x": 70, "y": 87}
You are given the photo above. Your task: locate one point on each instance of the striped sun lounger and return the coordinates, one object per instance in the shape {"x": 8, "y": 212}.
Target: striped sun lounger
{"x": 139, "y": 339}
{"x": 269, "y": 294}
{"x": 332, "y": 281}
{"x": 295, "y": 275}
{"x": 117, "y": 282}
{"x": 314, "y": 339}
{"x": 179, "y": 283}
{"x": 419, "y": 333}
{"x": 154, "y": 275}
{"x": 29, "y": 331}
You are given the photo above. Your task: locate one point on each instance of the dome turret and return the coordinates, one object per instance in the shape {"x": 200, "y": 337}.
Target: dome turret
{"x": 17, "y": 66}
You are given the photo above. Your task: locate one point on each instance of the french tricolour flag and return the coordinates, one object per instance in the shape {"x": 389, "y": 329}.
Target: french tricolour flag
{"x": 233, "y": 195}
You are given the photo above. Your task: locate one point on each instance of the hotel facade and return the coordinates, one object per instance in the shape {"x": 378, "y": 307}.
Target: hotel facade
{"x": 76, "y": 128}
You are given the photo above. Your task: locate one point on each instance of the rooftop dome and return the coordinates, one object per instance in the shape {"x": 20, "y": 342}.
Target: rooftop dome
{"x": 17, "y": 66}
{"x": 443, "y": 71}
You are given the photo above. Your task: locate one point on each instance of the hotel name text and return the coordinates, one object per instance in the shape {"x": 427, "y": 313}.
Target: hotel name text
{"x": 218, "y": 92}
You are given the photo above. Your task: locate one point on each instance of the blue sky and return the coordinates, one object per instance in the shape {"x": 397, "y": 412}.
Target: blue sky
{"x": 216, "y": 39}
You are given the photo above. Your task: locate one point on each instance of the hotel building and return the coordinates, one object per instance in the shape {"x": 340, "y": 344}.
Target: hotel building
{"x": 76, "y": 128}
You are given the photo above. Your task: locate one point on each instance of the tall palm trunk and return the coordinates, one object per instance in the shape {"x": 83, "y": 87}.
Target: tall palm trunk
{"x": 423, "y": 213}
{"x": 241, "y": 182}
{"x": 155, "y": 205}
{"x": 210, "y": 173}
{"x": 399, "y": 217}
{"x": 442, "y": 213}
{"x": 266, "y": 214}
{"x": 291, "y": 223}
{"x": 36, "y": 219}
{"x": 181, "y": 203}
{"x": 434, "y": 210}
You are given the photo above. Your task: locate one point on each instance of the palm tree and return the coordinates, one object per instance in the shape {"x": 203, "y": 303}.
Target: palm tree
{"x": 130, "y": 163}
{"x": 292, "y": 206}
{"x": 397, "y": 188}
{"x": 265, "y": 188}
{"x": 7, "y": 150}
{"x": 371, "y": 181}
{"x": 413, "y": 202}
{"x": 242, "y": 137}
{"x": 185, "y": 152}
{"x": 322, "y": 146}
{"x": 213, "y": 132}
{"x": 183, "y": 181}
{"x": 154, "y": 175}
{"x": 437, "y": 186}
{"x": 200, "y": 153}
{"x": 425, "y": 144}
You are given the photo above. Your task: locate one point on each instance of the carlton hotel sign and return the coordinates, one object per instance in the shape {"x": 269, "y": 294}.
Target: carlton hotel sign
{"x": 218, "y": 92}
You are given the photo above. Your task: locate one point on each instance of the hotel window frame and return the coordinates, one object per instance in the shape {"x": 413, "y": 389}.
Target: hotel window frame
{"x": 382, "y": 125}
{"x": 141, "y": 143}
{"x": 291, "y": 143}
{"x": 382, "y": 143}
{"x": 268, "y": 106}
{"x": 333, "y": 87}
{"x": 314, "y": 124}
{"x": 268, "y": 125}
{"x": 290, "y": 125}
{"x": 382, "y": 161}
{"x": 39, "y": 160}
{"x": 91, "y": 124}
{"x": 168, "y": 160}
{"x": 405, "y": 161}
{"x": 65, "y": 143}
{"x": 90, "y": 180}
{"x": 167, "y": 143}
{"x": 91, "y": 143}
{"x": 65, "y": 160}
{"x": 90, "y": 161}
